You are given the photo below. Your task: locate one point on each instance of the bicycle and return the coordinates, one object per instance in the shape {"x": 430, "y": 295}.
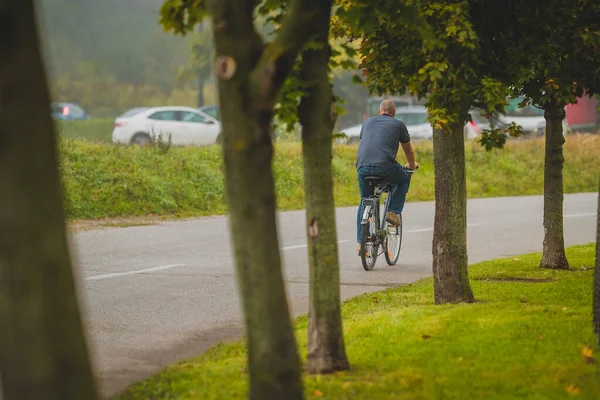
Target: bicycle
{"x": 375, "y": 232}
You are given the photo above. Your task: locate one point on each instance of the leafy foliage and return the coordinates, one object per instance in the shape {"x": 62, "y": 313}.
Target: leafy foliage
{"x": 552, "y": 48}
{"x": 495, "y": 138}
{"x": 430, "y": 49}
{"x": 180, "y": 16}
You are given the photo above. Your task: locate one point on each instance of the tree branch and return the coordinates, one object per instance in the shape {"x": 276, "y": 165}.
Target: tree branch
{"x": 279, "y": 56}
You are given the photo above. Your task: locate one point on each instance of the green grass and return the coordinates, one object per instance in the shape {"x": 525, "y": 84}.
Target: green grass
{"x": 520, "y": 340}
{"x": 103, "y": 180}
{"x": 95, "y": 130}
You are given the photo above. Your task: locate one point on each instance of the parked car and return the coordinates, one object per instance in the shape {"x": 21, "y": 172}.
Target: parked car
{"x": 415, "y": 118}
{"x": 68, "y": 111}
{"x": 530, "y": 118}
{"x": 184, "y": 125}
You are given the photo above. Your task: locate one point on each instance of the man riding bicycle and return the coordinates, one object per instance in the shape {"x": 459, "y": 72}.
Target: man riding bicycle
{"x": 380, "y": 138}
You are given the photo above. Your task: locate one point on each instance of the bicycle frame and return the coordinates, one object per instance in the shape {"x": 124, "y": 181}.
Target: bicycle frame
{"x": 370, "y": 202}
{"x": 374, "y": 201}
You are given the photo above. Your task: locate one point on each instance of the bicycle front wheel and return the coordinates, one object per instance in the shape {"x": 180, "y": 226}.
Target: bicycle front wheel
{"x": 368, "y": 243}
{"x": 394, "y": 242}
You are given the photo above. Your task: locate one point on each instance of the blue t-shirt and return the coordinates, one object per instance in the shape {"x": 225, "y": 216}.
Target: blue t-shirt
{"x": 380, "y": 138}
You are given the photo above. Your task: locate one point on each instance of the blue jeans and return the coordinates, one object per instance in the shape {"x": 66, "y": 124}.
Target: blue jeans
{"x": 393, "y": 174}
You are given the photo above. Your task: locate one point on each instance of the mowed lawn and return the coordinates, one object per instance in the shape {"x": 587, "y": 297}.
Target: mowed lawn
{"x": 528, "y": 336}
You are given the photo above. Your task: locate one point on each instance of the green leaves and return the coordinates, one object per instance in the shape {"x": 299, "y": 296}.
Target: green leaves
{"x": 495, "y": 138}
{"x": 430, "y": 49}
{"x": 180, "y": 16}
{"x": 492, "y": 139}
{"x": 551, "y": 48}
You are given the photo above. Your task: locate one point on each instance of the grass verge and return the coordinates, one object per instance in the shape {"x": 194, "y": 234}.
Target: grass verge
{"x": 94, "y": 130}
{"x": 103, "y": 180}
{"x": 529, "y": 336}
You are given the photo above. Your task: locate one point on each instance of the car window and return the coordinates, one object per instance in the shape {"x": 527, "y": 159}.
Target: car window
{"x": 513, "y": 110}
{"x": 76, "y": 111}
{"x": 187, "y": 116}
{"x": 412, "y": 118}
{"x": 529, "y": 111}
{"x": 212, "y": 111}
{"x": 164, "y": 116}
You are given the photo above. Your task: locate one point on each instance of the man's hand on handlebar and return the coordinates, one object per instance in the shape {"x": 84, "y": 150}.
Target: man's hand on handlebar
{"x": 413, "y": 167}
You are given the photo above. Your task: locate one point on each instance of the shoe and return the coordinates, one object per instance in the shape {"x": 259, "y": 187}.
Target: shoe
{"x": 393, "y": 218}
{"x": 359, "y": 253}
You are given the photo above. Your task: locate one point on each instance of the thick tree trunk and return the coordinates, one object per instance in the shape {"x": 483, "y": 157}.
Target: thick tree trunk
{"x": 554, "y": 243}
{"x": 596, "y": 305}
{"x": 250, "y": 74}
{"x": 451, "y": 280}
{"x": 43, "y": 352}
{"x": 273, "y": 362}
{"x": 326, "y": 350}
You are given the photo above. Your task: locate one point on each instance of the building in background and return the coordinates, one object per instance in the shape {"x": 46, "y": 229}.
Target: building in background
{"x": 583, "y": 116}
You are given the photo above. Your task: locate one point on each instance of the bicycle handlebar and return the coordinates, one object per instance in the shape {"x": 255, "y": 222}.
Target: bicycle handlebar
{"x": 410, "y": 171}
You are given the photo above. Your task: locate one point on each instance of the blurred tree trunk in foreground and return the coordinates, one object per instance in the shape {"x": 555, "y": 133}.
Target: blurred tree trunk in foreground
{"x": 43, "y": 352}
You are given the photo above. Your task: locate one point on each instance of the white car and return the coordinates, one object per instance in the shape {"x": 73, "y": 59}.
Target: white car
{"x": 184, "y": 125}
{"x": 414, "y": 117}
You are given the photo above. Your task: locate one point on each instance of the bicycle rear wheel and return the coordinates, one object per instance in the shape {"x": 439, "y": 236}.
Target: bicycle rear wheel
{"x": 368, "y": 243}
{"x": 393, "y": 243}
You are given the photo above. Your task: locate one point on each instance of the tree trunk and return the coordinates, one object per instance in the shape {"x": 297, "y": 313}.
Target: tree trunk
{"x": 597, "y": 274}
{"x": 201, "y": 74}
{"x": 273, "y": 362}
{"x": 450, "y": 262}
{"x": 43, "y": 351}
{"x": 250, "y": 74}
{"x": 554, "y": 243}
{"x": 326, "y": 350}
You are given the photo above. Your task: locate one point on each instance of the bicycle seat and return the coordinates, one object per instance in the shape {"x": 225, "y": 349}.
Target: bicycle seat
{"x": 374, "y": 180}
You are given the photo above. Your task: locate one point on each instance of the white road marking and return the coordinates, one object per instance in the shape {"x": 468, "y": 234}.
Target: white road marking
{"x": 579, "y": 215}
{"x": 302, "y": 246}
{"x": 298, "y": 246}
{"x": 431, "y": 229}
{"x": 419, "y": 230}
{"x": 141, "y": 271}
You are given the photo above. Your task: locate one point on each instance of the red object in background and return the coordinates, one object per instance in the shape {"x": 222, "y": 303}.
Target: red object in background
{"x": 582, "y": 114}
{"x": 65, "y": 110}
{"x": 475, "y": 127}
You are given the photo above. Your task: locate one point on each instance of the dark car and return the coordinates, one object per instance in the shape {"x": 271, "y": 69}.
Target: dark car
{"x": 68, "y": 111}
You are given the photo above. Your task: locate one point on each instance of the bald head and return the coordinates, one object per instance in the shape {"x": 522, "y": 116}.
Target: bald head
{"x": 387, "y": 107}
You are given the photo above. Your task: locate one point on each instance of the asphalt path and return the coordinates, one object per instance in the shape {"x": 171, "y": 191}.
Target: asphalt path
{"x": 154, "y": 295}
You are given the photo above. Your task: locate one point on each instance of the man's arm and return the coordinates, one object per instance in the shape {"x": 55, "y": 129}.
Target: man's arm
{"x": 410, "y": 155}
{"x": 407, "y": 147}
